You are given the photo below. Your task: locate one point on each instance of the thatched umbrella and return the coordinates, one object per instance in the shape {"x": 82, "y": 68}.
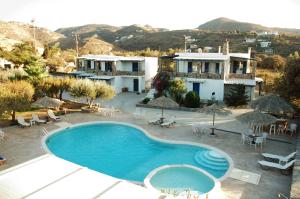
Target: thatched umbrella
{"x": 47, "y": 102}
{"x": 213, "y": 110}
{"x": 163, "y": 102}
{"x": 256, "y": 117}
{"x": 272, "y": 104}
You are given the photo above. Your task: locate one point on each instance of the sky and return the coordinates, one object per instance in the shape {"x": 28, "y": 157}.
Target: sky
{"x": 171, "y": 14}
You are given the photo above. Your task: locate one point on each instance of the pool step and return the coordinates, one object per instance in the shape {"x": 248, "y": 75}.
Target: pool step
{"x": 211, "y": 160}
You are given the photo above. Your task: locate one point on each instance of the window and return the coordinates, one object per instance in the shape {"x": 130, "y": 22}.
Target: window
{"x": 236, "y": 66}
{"x": 217, "y": 68}
{"x": 190, "y": 67}
{"x": 206, "y": 67}
{"x": 108, "y": 66}
{"x": 97, "y": 65}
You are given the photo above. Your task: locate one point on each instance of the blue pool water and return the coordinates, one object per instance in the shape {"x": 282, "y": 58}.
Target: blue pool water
{"x": 123, "y": 151}
{"x": 190, "y": 179}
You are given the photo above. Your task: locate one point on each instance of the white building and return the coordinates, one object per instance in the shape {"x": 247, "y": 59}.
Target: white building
{"x": 265, "y": 44}
{"x": 250, "y": 40}
{"x": 123, "y": 73}
{"x": 206, "y": 73}
{"x": 6, "y": 64}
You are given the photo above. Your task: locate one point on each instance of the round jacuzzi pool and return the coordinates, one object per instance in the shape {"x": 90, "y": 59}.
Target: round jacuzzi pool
{"x": 182, "y": 180}
{"x": 128, "y": 152}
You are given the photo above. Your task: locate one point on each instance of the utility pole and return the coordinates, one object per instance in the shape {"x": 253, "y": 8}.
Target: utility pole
{"x": 77, "y": 48}
{"x": 184, "y": 43}
{"x": 33, "y": 31}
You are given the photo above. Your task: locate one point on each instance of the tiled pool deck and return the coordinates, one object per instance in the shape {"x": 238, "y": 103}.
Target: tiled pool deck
{"x": 23, "y": 144}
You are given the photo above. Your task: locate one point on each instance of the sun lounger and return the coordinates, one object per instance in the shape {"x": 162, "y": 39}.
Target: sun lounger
{"x": 280, "y": 159}
{"x": 154, "y": 121}
{"x": 36, "y": 119}
{"x": 22, "y": 122}
{"x": 2, "y": 135}
{"x": 285, "y": 167}
{"x": 52, "y": 116}
{"x": 167, "y": 123}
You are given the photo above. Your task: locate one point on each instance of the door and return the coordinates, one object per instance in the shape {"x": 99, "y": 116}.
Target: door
{"x": 244, "y": 67}
{"x": 196, "y": 88}
{"x": 217, "y": 68}
{"x": 190, "y": 67}
{"x": 135, "y": 85}
{"x": 135, "y": 66}
{"x": 206, "y": 67}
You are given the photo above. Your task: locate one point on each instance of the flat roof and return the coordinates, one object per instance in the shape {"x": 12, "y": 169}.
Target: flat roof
{"x": 210, "y": 56}
{"x": 111, "y": 58}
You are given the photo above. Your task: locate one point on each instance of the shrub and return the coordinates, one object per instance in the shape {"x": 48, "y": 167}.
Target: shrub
{"x": 146, "y": 100}
{"x": 192, "y": 100}
{"x": 237, "y": 96}
{"x": 177, "y": 89}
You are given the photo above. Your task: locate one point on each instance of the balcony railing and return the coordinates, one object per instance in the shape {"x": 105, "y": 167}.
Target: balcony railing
{"x": 198, "y": 75}
{"x": 125, "y": 73}
{"x": 240, "y": 76}
{"x": 131, "y": 73}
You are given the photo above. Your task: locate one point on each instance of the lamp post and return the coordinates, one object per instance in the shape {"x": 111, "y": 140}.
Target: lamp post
{"x": 213, "y": 99}
{"x": 33, "y": 32}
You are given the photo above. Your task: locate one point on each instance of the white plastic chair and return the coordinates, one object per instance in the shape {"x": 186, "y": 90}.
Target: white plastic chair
{"x": 292, "y": 128}
{"x": 245, "y": 138}
{"x": 272, "y": 129}
{"x": 259, "y": 141}
{"x": 22, "y": 122}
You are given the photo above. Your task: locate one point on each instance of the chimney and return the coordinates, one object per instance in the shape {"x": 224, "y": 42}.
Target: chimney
{"x": 220, "y": 49}
{"x": 226, "y": 47}
{"x": 249, "y": 51}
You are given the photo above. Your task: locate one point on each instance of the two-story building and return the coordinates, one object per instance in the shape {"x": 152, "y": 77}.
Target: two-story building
{"x": 123, "y": 73}
{"x": 206, "y": 73}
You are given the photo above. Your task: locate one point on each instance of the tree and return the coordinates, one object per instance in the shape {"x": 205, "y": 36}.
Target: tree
{"x": 35, "y": 70}
{"x": 53, "y": 57}
{"x": 177, "y": 89}
{"x": 161, "y": 83}
{"x": 288, "y": 85}
{"x": 54, "y": 87}
{"x": 15, "y": 96}
{"x": 91, "y": 90}
{"x": 275, "y": 62}
{"x": 237, "y": 96}
{"x": 192, "y": 100}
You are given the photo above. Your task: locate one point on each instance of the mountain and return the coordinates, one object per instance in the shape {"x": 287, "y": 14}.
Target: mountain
{"x": 225, "y": 24}
{"x": 16, "y": 32}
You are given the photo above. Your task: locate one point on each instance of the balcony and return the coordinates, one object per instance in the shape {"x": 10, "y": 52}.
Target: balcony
{"x": 240, "y": 76}
{"x": 198, "y": 75}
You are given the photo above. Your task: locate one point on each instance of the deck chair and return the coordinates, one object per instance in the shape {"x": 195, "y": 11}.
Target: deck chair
{"x": 22, "y": 122}
{"x": 283, "y": 168}
{"x": 52, "y": 116}
{"x": 168, "y": 123}
{"x": 36, "y": 119}
{"x": 154, "y": 121}
{"x": 278, "y": 158}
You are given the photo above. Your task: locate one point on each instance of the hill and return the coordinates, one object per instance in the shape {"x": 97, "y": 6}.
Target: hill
{"x": 16, "y": 32}
{"x": 225, "y": 24}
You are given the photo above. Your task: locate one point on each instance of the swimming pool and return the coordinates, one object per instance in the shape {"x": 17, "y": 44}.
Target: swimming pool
{"x": 125, "y": 151}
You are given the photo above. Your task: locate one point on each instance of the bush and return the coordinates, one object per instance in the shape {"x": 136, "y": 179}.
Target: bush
{"x": 237, "y": 96}
{"x": 192, "y": 100}
{"x": 177, "y": 89}
{"x": 146, "y": 100}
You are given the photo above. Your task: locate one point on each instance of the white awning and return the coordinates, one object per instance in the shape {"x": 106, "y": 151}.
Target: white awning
{"x": 50, "y": 177}
{"x": 101, "y": 77}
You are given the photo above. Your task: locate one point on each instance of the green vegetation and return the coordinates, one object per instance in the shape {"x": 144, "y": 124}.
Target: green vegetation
{"x": 192, "y": 100}
{"x": 54, "y": 87}
{"x": 177, "y": 89}
{"x": 237, "y": 96}
{"x": 91, "y": 90}
{"x": 15, "y": 96}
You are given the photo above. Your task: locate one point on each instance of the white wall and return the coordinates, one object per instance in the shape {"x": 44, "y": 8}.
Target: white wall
{"x": 207, "y": 86}
{"x": 151, "y": 67}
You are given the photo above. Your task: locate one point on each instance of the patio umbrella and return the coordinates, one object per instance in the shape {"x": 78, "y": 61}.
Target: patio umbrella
{"x": 213, "y": 110}
{"x": 47, "y": 102}
{"x": 163, "y": 102}
{"x": 256, "y": 117}
{"x": 271, "y": 104}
